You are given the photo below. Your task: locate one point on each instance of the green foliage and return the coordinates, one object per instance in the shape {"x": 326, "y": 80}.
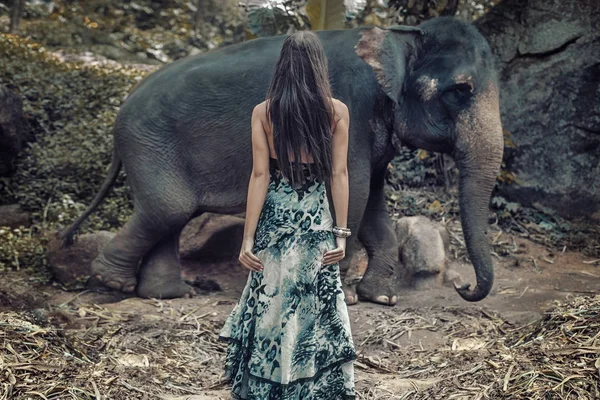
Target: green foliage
{"x": 411, "y": 171}
{"x": 21, "y": 248}
{"x": 72, "y": 108}
{"x": 277, "y": 18}
{"x": 505, "y": 208}
{"x": 142, "y": 30}
{"x": 418, "y": 168}
{"x": 414, "y": 12}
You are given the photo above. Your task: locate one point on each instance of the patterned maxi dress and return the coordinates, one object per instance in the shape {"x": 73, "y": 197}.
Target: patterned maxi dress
{"x": 289, "y": 334}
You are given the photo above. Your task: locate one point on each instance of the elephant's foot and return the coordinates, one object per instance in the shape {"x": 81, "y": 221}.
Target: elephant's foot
{"x": 350, "y": 294}
{"x": 376, "y": 289}
{"x": 160, "y": 273}
{"x": 158, "y": 288}
{"x": 112, "y": 276}
{"x": 160, "y": 278}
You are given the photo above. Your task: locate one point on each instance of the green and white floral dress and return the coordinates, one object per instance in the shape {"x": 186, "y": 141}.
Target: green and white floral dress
{"x": 289, "y": 334}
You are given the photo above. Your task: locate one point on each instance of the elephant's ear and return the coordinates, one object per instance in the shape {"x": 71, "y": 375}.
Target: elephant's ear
{"x": 387, "y": 51}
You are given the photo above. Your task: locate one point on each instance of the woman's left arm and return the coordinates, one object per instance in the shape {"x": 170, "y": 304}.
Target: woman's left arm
{"x": 257, "y": 188}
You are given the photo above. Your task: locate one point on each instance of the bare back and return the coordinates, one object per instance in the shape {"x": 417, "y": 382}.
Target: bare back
{"x": 268, "y": 128}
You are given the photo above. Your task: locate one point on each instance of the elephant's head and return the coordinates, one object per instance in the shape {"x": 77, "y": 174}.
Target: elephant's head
{"x": 444, "y": 98}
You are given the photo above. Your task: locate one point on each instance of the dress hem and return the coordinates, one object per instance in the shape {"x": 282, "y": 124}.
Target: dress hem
{"x": 344, "y": 397}
{"x": 298, "y": 380}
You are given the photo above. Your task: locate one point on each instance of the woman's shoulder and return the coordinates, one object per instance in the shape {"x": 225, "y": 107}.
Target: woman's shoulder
{"x": 340, "y": 108}
{"x": 260, "y": 109}
{"x": 260, "y": 114}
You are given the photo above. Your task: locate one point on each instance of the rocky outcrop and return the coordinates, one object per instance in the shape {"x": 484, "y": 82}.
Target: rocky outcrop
{"x": 71, "y": 265}
{"x": 13, "y": 130}
{"x": 548, "y": 55}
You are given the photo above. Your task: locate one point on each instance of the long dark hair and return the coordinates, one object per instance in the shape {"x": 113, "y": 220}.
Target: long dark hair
{"x": 300, "y": 108}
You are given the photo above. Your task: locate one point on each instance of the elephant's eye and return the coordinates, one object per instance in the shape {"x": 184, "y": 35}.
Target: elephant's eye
{"x": 457, "y": 95}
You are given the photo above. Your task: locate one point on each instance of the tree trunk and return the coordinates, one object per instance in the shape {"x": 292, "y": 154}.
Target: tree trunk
{"x": 14, "y": 129}
{"x": 547, "y": 54}
{"x": 15, "y": 15}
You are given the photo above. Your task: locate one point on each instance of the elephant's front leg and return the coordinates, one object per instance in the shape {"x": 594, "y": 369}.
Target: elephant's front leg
{"x": 379, "y": 238}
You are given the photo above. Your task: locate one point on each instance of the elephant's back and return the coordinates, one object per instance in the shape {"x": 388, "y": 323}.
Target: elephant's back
{"x": 206, "y": 94}
{"x": 190, "y": 120}
{"x": 235, "y": 67}
{"x": 206, "y": 101}
{"x": 228, "y": 62}
{"x": 199, "y": 89}
{"x": 217, "y": 73}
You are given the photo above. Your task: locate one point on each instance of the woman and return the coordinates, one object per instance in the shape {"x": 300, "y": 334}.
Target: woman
{"x": 289, "y": 334}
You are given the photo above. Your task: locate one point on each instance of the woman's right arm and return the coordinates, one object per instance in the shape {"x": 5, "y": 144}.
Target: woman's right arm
{"x": 339, "y": 181}
{"x": 257, "y": 189}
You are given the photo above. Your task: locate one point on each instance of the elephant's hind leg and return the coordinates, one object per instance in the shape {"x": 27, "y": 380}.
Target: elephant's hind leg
{"x": 160, "y": 272}
{"x": 116, "y": 266}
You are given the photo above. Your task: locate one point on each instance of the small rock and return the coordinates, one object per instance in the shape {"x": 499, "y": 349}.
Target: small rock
{"x": 13, "y": 216}
{"x": 422, "y": 246}
{"x": 71, "y": 265}
{"x": 158, "y": 54}
{"x": 451, "y": 276}
{"x": 194, "y": 51}
{"x": 134, "y": 360}
{"x": 212, "y": 237}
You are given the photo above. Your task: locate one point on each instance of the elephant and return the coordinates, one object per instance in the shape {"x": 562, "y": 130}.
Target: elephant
{"x": 183, "y": 137}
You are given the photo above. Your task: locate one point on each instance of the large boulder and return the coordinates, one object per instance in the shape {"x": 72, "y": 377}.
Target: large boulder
{"x": 13, "y": 129}
{"x": 422, "y": 248}
{"x": 212, "y": 237}
{"x": 547, "y": 53}
{"x": 71, "y": 265}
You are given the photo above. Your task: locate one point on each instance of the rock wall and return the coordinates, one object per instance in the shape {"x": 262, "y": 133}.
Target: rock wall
{"x": 548, "y": 55}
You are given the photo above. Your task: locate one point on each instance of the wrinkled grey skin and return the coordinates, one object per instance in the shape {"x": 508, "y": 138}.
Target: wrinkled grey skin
{"x": 183, "y": 137}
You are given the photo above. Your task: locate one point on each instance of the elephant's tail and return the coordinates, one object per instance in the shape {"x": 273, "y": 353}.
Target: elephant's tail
{"x": 66, "y": 235}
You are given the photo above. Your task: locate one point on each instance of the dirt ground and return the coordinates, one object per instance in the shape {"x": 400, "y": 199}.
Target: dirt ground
{"x": 103, "y": 345}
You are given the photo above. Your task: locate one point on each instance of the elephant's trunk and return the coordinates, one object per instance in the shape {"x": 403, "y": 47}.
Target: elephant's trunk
{"x": 478, "y": 153}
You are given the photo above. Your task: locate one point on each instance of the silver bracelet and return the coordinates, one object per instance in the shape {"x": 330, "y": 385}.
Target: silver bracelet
{"x": 341, "y": 232}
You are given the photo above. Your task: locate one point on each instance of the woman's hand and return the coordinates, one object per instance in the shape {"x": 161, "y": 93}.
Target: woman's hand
{"x": 337, "y": 254}
{"x": 248, "y": 259}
